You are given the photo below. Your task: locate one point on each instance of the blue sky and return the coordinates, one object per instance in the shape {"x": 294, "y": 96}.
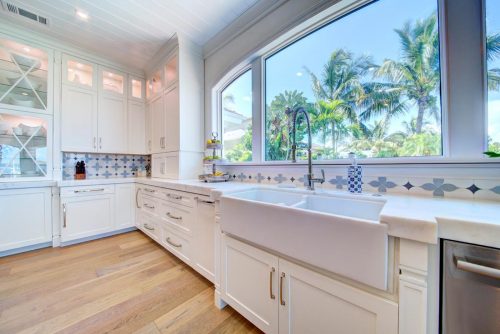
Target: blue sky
{"x": 369, "y": 31}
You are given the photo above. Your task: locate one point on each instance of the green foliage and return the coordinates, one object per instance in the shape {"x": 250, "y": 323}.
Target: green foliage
{"x": 243, "y": 150}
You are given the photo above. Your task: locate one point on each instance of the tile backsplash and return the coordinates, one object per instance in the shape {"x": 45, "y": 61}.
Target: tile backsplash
{"x": 104, "y": 166}
{"x": 451, "y": 182}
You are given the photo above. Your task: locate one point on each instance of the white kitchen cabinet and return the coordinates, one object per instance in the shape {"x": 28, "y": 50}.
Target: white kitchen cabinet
{"x": 86, "y": 212}
{"x": 250, "y": 283}
{"x": 157, "y": 125}
{"x": 137, "y": 120}
{"x": 112, "y": 124}
{"x": 204, "y": 233}
{"x": 172, "y": 128}
{"x": 78, "y": 119}
{"x": 26, "y": 217}
{"x": 78, "y": 72}
{"x": 313, "y": 301}
{"x": 125, "y": 203}
{"x": 281, "y": 297}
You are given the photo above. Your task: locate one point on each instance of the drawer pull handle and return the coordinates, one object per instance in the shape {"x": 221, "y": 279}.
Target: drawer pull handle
{"x": 173, "y": 243}
{"x": 88, "y": 190}
{"x": 64, "y": 215}
{"x": 173, "y": 217}
{"x": 282, "y": 302}
{"x": 203, "y": 201}
{"x": 137, "y": 198}
{"x": 271, "y": 294}
{"x": 147, "y": 227}
{"x": 149, "y": 206}
{"x": 149, "y": 190}
{"x": 174, "y": 196}
{"x": 464, "y": 265}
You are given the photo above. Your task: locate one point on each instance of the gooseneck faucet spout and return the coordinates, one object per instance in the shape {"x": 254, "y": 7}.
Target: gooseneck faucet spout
{"x": 309, "y": 179}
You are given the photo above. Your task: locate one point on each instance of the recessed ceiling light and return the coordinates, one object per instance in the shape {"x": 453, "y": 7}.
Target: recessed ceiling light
{"x": 110, "y": 74}
{"x": 82, "y": 15}
{"x": 26, "y": 49}
{"x": 24, "y": 93}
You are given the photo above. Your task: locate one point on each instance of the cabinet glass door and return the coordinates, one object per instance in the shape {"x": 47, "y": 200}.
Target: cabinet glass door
{"x": 23, "y": 146}
{"x": 23, "y": 75}
{"x": 136, "y": 88}
{"x": 79, "y": 73}
{"x": 112, "y": 82}
{"x": 155, "y": 85}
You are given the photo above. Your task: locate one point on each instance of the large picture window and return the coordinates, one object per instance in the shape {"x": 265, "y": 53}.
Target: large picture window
{"x": 370, "y": 81}
{"x": 236, "y": 106}
{"x": 493, "y": 68}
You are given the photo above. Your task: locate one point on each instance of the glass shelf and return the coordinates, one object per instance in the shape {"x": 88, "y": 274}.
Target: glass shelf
{"x": 21, "y": 61}
{"x": 23, "y": 146}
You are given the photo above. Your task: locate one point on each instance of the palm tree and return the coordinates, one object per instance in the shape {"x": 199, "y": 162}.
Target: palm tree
{"x": 278, "y": 124}
{"x": 338, "y": 93}
{"x": 492, "y": 52}
{"x": 416, "y": 75}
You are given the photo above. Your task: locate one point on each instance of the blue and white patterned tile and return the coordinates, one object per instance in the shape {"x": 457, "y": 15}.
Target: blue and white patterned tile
{"x": 487, "y": 189}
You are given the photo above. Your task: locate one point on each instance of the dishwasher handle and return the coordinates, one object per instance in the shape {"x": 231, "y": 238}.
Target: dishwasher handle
{"x": 465, "y": 265}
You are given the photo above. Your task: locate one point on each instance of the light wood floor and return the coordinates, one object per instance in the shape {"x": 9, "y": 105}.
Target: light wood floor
{"x": 121, "y": 284}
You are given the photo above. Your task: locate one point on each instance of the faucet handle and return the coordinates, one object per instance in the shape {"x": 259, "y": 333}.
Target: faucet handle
{"x": 322, "y": 176}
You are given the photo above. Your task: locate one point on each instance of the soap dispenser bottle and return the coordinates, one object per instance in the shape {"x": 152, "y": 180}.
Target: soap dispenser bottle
{"x": 354, "y": 176}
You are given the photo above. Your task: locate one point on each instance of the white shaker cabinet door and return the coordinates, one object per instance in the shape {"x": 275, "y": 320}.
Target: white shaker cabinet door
{"x": 125, "y": 203}
{"x": 137, "y": 128}
{"x": 78, "y": 120}
{"x": 172, "y": 121}
{"x": 113, "y": 125}
{"x": 25, "y": 217}
{"x": 249, "y": 283}
{"x": 204, "y": 235}
{"x": 313, "y": 303}
{"x": 157, "y": 125}
{"x": 86, "y": 216}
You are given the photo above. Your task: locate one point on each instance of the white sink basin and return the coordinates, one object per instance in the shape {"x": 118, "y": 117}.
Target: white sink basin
{"x": 341, "y": 234}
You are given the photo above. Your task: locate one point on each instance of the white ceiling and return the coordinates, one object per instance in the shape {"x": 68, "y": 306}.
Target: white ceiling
{"x": 130, "y": 31}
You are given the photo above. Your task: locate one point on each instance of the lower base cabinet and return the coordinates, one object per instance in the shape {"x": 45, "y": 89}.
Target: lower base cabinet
{"x": 26, "y": 217}
{"x": 281, "y": 297}
{"x": 86, "y": 216}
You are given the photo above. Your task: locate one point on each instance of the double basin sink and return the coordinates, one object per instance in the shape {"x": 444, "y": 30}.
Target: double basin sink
{"x": 338, "y": 233}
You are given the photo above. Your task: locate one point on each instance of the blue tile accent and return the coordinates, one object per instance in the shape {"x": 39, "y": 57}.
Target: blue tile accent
{"x": 496, "y": 190}
{"x": 438, "y": 187}
{"x": 280, "y": 178}
{"x": 103, "y": 165}
{"x": 242, "y": 177}
{"x": 339, "y": 182}
{"x": 382, "y": 184}
{"x": 259, "y": 177}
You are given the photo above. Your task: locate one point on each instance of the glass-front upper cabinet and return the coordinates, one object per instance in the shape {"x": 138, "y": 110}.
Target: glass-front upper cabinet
{"x": 155, "y": 85}
{"x": 112, "y": 81}
{"x": 78, "y": 72}
{"x": 136, "y": 88}
{"x": 171, "y": 75}
{"x": 23, "y": 76}
{"x": 24, "y": 146}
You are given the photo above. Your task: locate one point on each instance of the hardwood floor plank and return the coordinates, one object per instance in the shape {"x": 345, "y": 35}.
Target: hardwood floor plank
{"x": 122, "y": 284}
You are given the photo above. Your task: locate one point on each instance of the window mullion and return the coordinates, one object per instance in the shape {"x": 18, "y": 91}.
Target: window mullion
{"x": 257, "y": 134}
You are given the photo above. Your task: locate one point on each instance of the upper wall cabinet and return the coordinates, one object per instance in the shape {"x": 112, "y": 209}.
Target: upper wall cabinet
{"x": 25, "y": 77}
{"x": 95, "y": 109}
{"x": 78, "y": 72}
{"x": 136, "y": 88}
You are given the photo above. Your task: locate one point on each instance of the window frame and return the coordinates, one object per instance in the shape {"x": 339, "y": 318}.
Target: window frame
{"x": 451, "y": 152}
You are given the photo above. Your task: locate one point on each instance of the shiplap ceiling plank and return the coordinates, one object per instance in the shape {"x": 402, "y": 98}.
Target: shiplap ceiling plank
{"x": 130, "y": 31}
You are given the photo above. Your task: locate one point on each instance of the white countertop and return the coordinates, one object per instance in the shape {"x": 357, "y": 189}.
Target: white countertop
{"x": 422, "y": 219}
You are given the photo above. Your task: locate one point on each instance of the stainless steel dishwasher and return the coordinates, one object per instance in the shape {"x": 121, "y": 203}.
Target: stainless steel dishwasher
{"x": 470, "y": 297}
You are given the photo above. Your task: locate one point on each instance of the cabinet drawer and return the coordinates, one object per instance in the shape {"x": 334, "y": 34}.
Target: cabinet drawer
{"x": 176, "y": 244}
{"x": 149, "y": 204}
{"x": 179, "y": 197}
{"x": 148, "y": 225}
{"x": 151, "y": 191}
{"x": 87, "y": 190}
{"x": 177, "y": 216}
